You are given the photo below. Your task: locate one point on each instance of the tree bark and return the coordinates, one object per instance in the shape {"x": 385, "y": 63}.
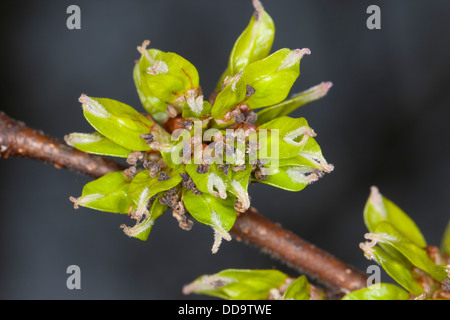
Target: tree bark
{"x": 18, "y": 140}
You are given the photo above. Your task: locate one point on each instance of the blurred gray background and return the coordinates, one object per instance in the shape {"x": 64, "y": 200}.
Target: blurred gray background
{"x": 385, "y": 122}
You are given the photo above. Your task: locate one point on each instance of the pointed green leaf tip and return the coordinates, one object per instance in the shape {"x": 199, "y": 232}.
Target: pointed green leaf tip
{"x": 117, "y": 121}
{"x": 235, "y": 284}
{"x": 379, "y": 209}
{"x": 108, "y": 193}
{"x": 253, "y": 44}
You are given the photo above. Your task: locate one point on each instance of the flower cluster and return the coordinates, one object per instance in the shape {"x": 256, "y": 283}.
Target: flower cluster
{"x": 197, "y": 156}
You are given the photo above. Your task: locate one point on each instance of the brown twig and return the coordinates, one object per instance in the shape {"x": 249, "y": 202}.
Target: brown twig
{"x": 282, "y": 244}
{"x": 16, "y": 139}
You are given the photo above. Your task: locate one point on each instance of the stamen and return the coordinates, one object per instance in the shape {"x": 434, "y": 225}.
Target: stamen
{"x": 148, "y": 137}
{"x": 261, "y": 174}
{"x": 202, "y": 168}
{"x": 224, "y": 167}
{"x": 251, "y": 117}
{"x": 217, "y": 182}
{"x": 238, "y": 116}
{"x": 178, "y": 212}
{"x": 188, "y": 124}
{"x": 134, "y": 157}
{"x": 238, "y": 168}
{"x": 153, "y": 168}
{"x": 249, "y": 90}
{"x": 163, "y": 176}
{"x": 130, "y": 173}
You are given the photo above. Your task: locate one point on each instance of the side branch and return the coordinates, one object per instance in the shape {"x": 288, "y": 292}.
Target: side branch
{"x": 18, "y": 140}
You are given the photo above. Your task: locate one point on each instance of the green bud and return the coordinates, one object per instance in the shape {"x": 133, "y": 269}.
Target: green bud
{"x": 117, "y": 121}
{"x": 378, "y": 209}
{"x": 165, "y": 78}
{"x": 253, "y": 44}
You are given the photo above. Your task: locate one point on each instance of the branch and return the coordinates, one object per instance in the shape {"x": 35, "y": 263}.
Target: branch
{"x": 16, "y": 139}
{"x": 282, "y": 244}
